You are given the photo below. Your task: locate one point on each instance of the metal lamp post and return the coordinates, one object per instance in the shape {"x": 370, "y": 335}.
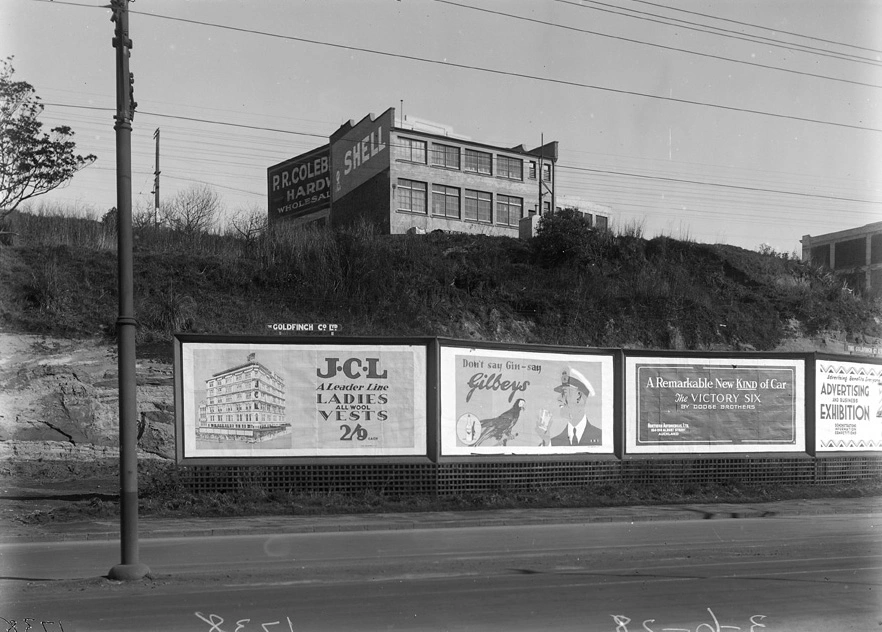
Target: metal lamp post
{"x": 129, "y": 568}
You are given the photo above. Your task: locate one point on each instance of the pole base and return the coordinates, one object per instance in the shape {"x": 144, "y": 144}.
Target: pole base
{"x": 128, "y": 572}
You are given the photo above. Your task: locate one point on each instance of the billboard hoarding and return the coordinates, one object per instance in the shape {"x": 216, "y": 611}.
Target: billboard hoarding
{"x": 848, "y": 406}
{"x": 690, "y": 405}
{"x": 359, "y": 151}
{"x": 300, "y": 186}
{"x": 289, "y": 400}
{"x": 520, "y": 402}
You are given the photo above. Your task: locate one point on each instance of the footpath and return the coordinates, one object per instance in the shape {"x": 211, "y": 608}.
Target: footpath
{"x": 151, "y": 527}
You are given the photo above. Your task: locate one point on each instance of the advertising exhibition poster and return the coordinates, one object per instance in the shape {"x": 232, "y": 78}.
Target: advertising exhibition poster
{"x": 278, "y": 400}
{"x": 689, "y": 405}
{"x": 523, "y": 402}
{"x": 848, "y": 406}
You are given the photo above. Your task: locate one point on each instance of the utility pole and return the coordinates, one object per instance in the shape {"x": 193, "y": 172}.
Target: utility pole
{"x": 156, "y": 182}
{"x": 129, "y": 568}
{"x": 543, "y": 188}
{"x": 539, "y": 173}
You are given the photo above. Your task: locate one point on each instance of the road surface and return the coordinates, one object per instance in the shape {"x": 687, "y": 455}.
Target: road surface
{"x": 786, "y": 574}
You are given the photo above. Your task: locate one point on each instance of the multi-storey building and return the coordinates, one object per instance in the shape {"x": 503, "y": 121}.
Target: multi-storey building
{"x": 243, "y": 403}
{"x": 854, "y": 254}
{"x": 402, "y": 177}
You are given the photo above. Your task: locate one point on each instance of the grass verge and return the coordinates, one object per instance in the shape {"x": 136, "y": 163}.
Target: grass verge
{"x": 176, "y": 502}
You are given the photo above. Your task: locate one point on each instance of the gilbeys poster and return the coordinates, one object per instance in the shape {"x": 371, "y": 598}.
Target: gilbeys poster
{"x": 520, "y": 402}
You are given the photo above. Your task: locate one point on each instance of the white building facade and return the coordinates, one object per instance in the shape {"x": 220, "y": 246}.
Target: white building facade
{"x": 243, "y": 403}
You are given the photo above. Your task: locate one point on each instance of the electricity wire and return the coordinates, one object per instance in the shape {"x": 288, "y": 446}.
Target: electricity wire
{"x": 758, "y": 26}
{"x": 692, "y": 26}
{"x": 661, "y": 46}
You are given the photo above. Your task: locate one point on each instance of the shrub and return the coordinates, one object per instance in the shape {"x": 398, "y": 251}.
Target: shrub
{"x": 562, "y": 238}
{"x": 49, "y": 289}
{"x": 167, "y": 311}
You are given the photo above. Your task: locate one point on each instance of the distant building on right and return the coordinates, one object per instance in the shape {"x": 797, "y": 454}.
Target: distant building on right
{"x": 855, "y": 255}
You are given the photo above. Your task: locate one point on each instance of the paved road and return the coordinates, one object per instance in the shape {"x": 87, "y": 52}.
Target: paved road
{"x": 821, "y": 572}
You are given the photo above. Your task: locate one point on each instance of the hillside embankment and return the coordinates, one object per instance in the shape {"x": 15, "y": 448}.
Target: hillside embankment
{"x": 570, "y": 285}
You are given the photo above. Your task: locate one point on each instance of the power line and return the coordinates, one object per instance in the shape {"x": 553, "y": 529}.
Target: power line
{"x": 722, "y": 32}
{"x": 662, "y": 46}
{"x": 487, "y": 70}
{"x": 759, "y": 26}
{"x": 610, "y": 159}
{"x": 506, "y": 73}
{"x": 212, "y": 184}
{"x": 735, "y": 35}
{"x": 718, "y": 184}
{"x": 559, "y": 166}
{"x": 255, "y": 127}
{"x": 751, "y": 203}
{"x": 745, "y": 206}
{"x": 185, "y": 137}
{"x": 190, "y": 118}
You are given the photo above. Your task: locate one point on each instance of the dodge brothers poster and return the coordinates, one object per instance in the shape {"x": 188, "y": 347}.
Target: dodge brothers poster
{"x": 272, "y": 400}
{"x": 519, "y": 402}
{"x": 679, "y": 405}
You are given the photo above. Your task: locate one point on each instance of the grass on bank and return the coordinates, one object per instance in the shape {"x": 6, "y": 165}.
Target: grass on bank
{"x": 569, "y": 285}
{"x": 165, "y": 502}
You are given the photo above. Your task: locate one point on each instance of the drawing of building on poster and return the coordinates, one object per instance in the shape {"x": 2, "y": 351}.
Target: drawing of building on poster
{"x": 245, "y": 403}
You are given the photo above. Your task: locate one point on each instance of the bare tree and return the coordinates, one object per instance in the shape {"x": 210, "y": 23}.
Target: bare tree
{"x": 249, "y": 224}
{"x": 31, "y": 162}
{"x": 193, "y": 210}
{"x": 144, "y": 214}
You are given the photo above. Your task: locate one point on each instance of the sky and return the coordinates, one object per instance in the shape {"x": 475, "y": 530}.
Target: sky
{"x": 747, "y": 122}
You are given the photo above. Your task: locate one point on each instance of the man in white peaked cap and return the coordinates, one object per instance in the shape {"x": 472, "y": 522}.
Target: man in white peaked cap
{"x": 573, "y": 394}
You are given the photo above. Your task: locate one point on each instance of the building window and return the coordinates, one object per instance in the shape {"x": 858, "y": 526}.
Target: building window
{"x": 601, "y": 222}
{"x": 478, "y": 206}
{"x": 546, "y": 172}
{"x": 477, "y": 161}
{"x": 532, "y": 172}
{"x": 512, "y": 168}
{"x": 509, "y": 210}
{"x": 445, "y": 201}
{"x": 411, "y": 150}
{"x": 412, "y": 196}
{"x": 445, "y": 156}
{"x": 546, "y": 208}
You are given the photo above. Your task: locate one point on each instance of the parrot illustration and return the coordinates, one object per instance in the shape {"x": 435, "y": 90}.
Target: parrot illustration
{"x": 500, "y": 427}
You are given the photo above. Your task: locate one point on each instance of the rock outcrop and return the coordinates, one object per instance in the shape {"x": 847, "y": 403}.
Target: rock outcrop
{"x": 55, "y": 391}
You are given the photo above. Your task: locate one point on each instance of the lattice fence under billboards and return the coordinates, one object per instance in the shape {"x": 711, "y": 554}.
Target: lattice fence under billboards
{"x": 843, "y": 469}
{"x": 454, "y": 478}
{"x": 383, "y": 478}
{"x": 719, "y": 470}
